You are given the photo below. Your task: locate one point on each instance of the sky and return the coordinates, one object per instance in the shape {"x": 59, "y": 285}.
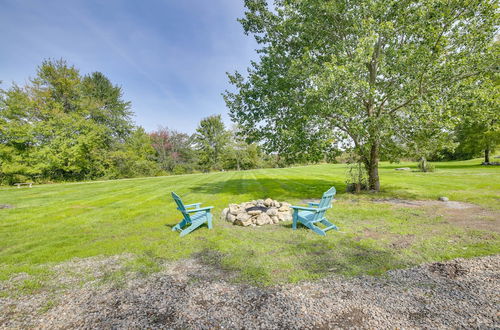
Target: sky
{"x": 169, "y": 56}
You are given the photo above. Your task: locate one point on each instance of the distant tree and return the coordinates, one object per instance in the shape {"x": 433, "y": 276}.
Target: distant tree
{"x": 134, "y": 158}
{"x": 105, "y": 105}
{"x": 356, "y": 70}
{"x": 173, "y": 149}
{"x": 239, "y": 154}
{"x": 60, "y": 126}
{"x": 211, "y": 139}
{"x": 478, "y": 130}
{"x": 424, "y": 133}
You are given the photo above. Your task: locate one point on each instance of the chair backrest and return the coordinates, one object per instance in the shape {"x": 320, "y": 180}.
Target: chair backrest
{"x": 180, "y": 206}
{"x": 324, "y": 203}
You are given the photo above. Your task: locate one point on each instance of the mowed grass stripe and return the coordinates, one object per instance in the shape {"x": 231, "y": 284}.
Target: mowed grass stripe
{"x": 55, "y": 223}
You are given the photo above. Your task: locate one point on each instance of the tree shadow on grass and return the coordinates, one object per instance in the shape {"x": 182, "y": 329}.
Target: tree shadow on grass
{"x": 279, "y": 188}
{"x": 285, "y": 188}
{"x": 345, "y": 256}
{"x": 312, "y": 257}
{"x": 461, "y": 166}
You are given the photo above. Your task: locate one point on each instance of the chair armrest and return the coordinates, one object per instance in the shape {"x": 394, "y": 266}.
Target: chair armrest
{"x": 197, "y": 205}
{"x": 312, "y": 204}
{"x": 206, "y": 209}
{"x": 313, "y": 209}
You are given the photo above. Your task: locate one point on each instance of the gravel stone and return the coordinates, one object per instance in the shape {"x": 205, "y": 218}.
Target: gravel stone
{"x": 189, "y": 294}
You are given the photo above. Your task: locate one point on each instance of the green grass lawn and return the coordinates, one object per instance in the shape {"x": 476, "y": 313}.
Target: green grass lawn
{"x": 55, "y": 223}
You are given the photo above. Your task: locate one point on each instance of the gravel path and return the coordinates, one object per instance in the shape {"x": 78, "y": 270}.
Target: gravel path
{"x": 462, "y": 293}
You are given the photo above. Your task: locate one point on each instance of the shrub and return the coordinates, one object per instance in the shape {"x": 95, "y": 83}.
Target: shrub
{"x": 425, "y": 166}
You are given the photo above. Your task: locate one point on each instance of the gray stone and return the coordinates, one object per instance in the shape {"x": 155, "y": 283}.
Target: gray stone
{"x": 284, "y": 216}
{"x": 243, "y": 219}
{"x": 272, "y": 211}
{"x": 230, "y": 217}
{"x": 443, "y": 199}
{"x": 403, "y": 169}
{"x": 284, "y": 208}
{"x": 243, "y": 216}
{"x": 263, "y": 219}
{"x": 224, "y": 213}
{"x": 276, "y": 211}
{"x": 234, "y": 209}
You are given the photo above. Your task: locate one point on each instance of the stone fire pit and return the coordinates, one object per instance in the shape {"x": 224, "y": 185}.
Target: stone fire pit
{"x": 257, "y": 213}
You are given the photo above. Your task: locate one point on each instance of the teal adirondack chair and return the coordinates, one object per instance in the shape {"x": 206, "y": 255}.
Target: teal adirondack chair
{"x": 315, "y": 213}
{"x": 194, "y": 216}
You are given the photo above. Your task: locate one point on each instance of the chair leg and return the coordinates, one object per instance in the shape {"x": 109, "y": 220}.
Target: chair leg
{"x": 192, "y": 227}
{"x": 316, "y": 229}
{"x": 187, "y": 231}
{"x": 179, "y": 226}
{"x": 329, "y": 225}
{"x": 294, "y": 223}
{"x": 209, "y": 221}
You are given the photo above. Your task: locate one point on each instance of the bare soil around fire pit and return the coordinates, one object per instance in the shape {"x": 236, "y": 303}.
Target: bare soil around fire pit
{"x": 462, "y": 214}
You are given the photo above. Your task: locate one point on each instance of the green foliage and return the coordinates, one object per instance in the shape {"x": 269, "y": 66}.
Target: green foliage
{"x": 478, "y": 131}
{"x": 174, "y": 151}
{"x": 62, "y": 126}
{"x": 425, "y": 166}
{"x": 240, "y": 155}
{"x": 357, "y": 178}
{"x": 358, "y": 74}
{"x": 211, "y": 140}
{"x": 106, "y": 106}
{"x": 133, "y": 158}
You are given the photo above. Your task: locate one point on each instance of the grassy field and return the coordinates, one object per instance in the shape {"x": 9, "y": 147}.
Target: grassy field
{"x": 49, "y": 224}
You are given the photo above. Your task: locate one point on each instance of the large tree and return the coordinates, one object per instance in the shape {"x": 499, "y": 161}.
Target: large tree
{"x": 356, "y": 70}
{"x": 62, "y": 126}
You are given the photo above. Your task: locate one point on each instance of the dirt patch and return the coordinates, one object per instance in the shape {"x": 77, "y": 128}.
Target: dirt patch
{"x": 462, "y": 214}
{"x": 424, "y": 203}
{"x": 397, "y": 241}
{"x": 397, "y": 201}
{"x": 448, "y": 270}
{"x": 6, "y": 206}
{"x": 474, "y": 218}
{"x": 403, "y": 242}
{"x": 369, "y": 233}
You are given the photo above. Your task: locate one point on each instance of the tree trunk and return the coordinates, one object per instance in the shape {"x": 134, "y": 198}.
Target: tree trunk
{"x": 487, "y": 155}
{"x": 423, "y": 164}
{"x": 372, "y": 167}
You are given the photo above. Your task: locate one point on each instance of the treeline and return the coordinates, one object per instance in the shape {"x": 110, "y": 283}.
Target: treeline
{"x": 64, "y": 126}
{"x": 212, "y": 148}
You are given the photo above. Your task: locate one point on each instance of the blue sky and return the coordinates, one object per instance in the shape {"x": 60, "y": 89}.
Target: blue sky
{"x": 169, "y": 56}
